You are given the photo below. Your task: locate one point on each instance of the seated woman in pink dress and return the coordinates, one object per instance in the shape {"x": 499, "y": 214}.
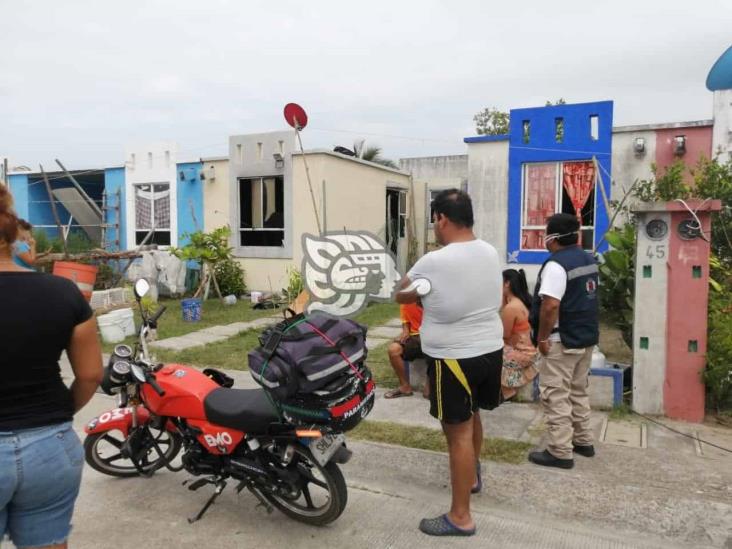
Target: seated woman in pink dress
{"x": 519, "y": 354}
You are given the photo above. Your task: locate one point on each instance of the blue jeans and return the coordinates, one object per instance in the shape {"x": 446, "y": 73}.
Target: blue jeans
{"x": 40, "y": 474}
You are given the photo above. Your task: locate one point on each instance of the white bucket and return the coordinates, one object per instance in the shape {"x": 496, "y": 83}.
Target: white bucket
{"x": 111, "y": 328}
{"x": 126, "y": 317}
{"x": 256, "y": 296}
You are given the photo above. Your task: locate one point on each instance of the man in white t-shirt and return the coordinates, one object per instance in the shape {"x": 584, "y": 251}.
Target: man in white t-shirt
{"x": 564, "y": 319}
{"x": 462, "y": 339}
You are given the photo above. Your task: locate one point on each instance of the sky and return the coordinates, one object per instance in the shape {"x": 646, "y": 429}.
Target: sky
{"x": 80, "y": 80}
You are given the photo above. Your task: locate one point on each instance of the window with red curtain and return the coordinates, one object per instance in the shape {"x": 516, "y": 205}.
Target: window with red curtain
{"x": 553, "y": 187}
{"x": 540, "y": 202}
{"x": 578, "y": 179}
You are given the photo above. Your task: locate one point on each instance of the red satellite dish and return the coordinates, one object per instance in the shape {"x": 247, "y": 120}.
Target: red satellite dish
{"x": 296, "y": 116}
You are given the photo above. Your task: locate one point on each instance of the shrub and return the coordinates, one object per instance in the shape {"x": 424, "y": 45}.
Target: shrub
{"x": 294, "y": 284}
{"x": 617, "y": 280}
{"x": 230, "y": 276}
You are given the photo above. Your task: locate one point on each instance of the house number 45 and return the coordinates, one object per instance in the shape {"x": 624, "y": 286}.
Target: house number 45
{"x": 658, "y": 251}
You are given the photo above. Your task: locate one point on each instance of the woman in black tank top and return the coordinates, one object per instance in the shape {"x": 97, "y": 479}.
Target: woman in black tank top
{"x": 41, "y": 316}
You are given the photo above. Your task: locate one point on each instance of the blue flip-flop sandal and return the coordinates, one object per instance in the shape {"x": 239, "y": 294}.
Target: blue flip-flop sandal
{"x": 443, "y": 526}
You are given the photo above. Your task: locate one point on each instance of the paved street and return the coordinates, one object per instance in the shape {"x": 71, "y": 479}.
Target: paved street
{"x": 623, "y": 498}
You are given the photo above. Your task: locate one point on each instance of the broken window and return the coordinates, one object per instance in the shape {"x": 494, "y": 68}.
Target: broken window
{"x": 152, "y": 213}
{"x": 261, "y": 211}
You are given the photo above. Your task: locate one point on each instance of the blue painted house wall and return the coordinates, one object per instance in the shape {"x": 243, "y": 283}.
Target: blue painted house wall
{"x": 19, "y": 188}
{"x": 114, "y": 186}
{"x": 577, "y": 144}
{"x": 189, "y": 200}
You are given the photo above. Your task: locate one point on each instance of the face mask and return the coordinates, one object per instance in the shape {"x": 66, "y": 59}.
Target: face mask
{"x": 548, "y": 238}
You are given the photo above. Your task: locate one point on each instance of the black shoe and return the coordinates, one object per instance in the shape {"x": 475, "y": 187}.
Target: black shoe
{"x": 548, "y": 460}
{"x": 587, "y": 451}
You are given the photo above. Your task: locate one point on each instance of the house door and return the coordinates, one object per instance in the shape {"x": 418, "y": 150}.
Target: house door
{"x": 396, "y": 225}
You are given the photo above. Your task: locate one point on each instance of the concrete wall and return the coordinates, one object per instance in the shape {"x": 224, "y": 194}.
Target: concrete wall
{"x": 251, "y": 155}
{"x": 629, "y": 166}
{"x": 151, "y": 163}
{"x": 216, "y": 193}
{"x": 651, "y": 294}
{"x": 441, "y": 171}
{"x": 436, "y": 173}
{"x": 698, "y": 145}
{"x": 722, "y": 132}
{"x": 355, "y": 198}
{"x": 488, "y": 181}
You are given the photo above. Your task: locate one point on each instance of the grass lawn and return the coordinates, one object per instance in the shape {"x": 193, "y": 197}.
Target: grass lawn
{"x": 378, "y": 314}
{"x": 229, "y": 354}
{"x": 214, "y": 313}
{"x": 232, "y": 352}
{"x": 494, "y": 449}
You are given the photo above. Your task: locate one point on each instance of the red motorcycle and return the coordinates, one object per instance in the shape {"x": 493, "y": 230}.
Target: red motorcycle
{"x": 225, "y": 433}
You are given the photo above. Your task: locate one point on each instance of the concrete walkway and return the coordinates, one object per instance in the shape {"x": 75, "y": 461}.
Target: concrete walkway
{"x": 213, "y": 334}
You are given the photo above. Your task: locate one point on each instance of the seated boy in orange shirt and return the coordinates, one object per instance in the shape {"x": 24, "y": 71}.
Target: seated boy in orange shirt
{"x": 406, "y": 347}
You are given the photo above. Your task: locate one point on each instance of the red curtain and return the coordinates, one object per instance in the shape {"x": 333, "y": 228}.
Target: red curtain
{"x": 578, "y": 179}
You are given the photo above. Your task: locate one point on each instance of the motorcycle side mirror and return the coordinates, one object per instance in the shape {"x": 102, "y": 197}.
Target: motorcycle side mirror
{"x": 142, "y": 286}
{"x": 138, "y": 373}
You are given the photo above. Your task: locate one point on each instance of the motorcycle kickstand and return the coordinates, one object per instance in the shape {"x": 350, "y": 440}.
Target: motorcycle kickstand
{"x": 262, "y": 502}
{"x": 220, "y": 485}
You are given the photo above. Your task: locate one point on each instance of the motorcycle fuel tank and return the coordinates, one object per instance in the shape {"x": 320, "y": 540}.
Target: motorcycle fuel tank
{"x": 185, "y": 390}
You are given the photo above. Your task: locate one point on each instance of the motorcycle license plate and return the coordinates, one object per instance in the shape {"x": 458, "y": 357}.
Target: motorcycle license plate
{"x": 324, "y": 447}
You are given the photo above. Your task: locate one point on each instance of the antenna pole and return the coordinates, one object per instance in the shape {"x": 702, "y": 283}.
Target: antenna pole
{"x": 307, "y": 173}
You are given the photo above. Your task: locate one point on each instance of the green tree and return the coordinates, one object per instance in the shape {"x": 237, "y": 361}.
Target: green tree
{"x": 210, "y": 250}
{"x": 491, "y": 121}
{"x": 373, "y": 154}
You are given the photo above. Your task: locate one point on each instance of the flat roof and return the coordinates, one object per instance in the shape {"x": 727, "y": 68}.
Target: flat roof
{"x": 663, "y": 126}
{"x": 486, "y": 138}
{"x": 352, "y": 159}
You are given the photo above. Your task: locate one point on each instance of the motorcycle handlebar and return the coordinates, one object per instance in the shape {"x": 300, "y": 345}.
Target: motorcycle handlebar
{"x": 158, "y": 314}
{"x": 154, "y": 385}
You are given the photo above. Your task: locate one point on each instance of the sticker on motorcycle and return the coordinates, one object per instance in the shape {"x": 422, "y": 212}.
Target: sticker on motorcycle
{"x": 116, "y": 414}
{"x": 220, "y": 440}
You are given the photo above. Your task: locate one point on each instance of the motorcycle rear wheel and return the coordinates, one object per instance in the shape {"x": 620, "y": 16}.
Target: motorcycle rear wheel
{"x": 110, "y": 442}
{"x": 301, "y": 505}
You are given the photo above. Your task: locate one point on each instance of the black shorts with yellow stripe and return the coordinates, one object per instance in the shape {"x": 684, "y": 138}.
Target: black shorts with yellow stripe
{"x": 459, "y": 387}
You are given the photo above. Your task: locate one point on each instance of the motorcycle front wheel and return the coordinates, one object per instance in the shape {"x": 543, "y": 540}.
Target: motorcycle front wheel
{"x": 103, "y": 452}
{"x": 318, "y": 497}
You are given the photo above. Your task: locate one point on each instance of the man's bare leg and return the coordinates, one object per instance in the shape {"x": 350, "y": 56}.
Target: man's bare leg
{"x": 477, "y": 440}
{"x": 395, "y": 351}
{"x": 462, "y": 470}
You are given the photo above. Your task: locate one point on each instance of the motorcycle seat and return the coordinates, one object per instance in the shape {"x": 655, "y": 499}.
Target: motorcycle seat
{"x": 248, "y": 410}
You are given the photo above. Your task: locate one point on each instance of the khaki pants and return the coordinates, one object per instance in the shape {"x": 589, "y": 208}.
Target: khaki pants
{"x": 563, "y": 380}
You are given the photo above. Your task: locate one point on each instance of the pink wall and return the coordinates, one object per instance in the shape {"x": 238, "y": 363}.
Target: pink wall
{"x": 698, "y": 144}
{"x": 686, "y": 333}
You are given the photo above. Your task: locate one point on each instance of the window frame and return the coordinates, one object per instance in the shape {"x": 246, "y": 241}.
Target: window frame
{"x": 241, "y": 229}
{"x": 169, "y": 229}
{"x": 558, "y": 195}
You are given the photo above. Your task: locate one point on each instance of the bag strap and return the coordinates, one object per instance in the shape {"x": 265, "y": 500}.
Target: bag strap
{"x": 329, "y": 340}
